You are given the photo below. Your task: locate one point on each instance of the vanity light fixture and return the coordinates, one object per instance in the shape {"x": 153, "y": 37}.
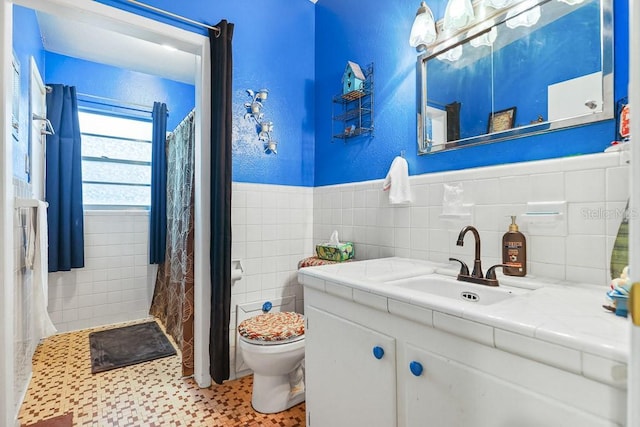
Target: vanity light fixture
{"x": 254, "y": 112}
{"x": 458, "y": 14}
{"x": 524, "y": 19}
{"x": 423, "y": 30}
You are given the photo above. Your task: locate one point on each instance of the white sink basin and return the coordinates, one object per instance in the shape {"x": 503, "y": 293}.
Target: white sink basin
{"x": 449, "y": 287}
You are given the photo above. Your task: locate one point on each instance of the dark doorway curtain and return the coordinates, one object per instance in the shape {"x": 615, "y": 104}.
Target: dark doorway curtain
{"x": 158, "y": 211}
{"x": 220, "y": 256}
{"x": 63, "y": 182}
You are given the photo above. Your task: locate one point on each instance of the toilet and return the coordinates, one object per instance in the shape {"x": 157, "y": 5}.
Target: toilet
{"x": 272, "y": 345}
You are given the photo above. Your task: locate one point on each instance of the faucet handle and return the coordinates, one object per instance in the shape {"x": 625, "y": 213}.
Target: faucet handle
{"x": 464, "y": 270}
{"x": 491, "y": 272}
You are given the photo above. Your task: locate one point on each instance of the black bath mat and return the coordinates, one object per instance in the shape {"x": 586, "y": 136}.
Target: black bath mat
{"x": 115, "y": 348}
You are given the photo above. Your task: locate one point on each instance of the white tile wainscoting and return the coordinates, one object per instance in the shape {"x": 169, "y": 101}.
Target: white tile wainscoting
{"x": 274, "y": 226}
{"x": 595, "y": 188}
{"x": 272, "y": 229}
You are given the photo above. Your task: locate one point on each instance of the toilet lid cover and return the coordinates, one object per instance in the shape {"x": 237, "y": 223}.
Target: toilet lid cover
{"x": 279, "y": 326}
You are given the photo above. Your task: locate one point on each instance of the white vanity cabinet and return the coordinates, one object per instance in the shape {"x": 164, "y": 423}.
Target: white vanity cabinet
{"x": 350, "y": 373}
{"x": 454, "y": 381}
{"x": 449, "y": 393}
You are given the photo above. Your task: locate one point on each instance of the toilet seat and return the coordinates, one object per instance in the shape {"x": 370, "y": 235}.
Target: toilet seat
{"x": 272, "y": 328}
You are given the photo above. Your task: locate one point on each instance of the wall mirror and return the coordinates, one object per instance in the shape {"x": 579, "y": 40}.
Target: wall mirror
{"x": 537, "y": 66}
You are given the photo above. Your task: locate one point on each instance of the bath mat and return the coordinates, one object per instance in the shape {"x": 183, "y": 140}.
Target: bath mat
{"x": 116, "y": 348}
{"x": 59, "y": 421}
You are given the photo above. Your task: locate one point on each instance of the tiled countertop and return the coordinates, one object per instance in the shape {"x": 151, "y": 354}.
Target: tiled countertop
{"x": 558, "y": 323}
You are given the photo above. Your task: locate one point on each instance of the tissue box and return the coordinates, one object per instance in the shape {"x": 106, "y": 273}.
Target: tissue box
{"x": 341, "y": 252}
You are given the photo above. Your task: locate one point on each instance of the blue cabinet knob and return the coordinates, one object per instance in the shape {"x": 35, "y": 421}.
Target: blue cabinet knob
{"x": 378, "y": 352}
{"x": 416, "y": 368}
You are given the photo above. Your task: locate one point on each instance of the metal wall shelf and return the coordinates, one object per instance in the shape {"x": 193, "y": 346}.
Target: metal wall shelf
{"x": 352, "y": 113}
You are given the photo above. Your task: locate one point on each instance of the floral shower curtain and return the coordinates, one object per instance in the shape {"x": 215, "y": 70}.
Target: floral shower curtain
{"x": 173, "y": 294}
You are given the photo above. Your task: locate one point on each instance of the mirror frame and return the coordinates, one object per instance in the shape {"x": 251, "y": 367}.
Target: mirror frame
{"x": 483, "y": 26}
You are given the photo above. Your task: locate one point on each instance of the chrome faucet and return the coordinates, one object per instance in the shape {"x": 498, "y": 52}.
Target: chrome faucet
{"x": 476, "y": 275}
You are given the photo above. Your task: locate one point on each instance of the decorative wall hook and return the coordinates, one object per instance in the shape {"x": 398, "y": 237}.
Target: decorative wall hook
{"x": 254, "y": 112}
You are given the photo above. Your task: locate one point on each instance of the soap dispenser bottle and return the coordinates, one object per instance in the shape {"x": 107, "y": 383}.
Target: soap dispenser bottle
{"x": 514, "y": 251}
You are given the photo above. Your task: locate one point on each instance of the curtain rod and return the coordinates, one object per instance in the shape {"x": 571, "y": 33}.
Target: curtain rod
{"x": 115, "y": 102}
{"x": 49, "y": 89}
{"x": 149, "y": 108}
{"x": 176, "y": 16}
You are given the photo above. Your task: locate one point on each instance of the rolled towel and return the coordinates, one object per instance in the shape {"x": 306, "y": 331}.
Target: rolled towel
{"x": 397, "y": 182}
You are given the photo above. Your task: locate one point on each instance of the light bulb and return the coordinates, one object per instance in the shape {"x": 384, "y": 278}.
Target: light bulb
{"x": 423, "y": 31}
{"x": 451, "y": 55}
{"x": 486, "y": 39}
{"x": 525, "y": 19}
{"x": 458, "y": 14}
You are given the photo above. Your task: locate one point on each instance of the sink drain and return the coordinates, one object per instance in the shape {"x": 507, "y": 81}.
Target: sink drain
{"x": 470, "y": 296}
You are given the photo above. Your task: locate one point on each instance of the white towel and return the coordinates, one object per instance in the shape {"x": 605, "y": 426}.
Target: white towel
{"x": 397, "y": 182}
{"x": 30, "y": 255}
{"x": 43, "y": 327}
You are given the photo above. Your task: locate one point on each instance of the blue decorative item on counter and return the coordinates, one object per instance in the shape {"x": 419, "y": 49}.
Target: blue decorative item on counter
{"x": 618, "y": 295}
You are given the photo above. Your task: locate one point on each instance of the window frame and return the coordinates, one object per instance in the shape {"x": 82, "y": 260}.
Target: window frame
{"x": 131, "y": 117}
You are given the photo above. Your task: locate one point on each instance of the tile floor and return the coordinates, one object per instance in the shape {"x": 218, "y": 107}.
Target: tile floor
{"x": 149, "y": 394}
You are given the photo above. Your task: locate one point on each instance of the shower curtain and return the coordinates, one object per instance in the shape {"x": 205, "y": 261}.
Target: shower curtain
{"x": 172, "y": 301}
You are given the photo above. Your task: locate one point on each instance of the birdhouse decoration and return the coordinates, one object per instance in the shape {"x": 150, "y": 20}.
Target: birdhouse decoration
{"x": 352, "y": 79}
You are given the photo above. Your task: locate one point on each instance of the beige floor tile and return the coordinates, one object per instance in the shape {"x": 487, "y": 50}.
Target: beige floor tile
{"x": 145, "y": 395}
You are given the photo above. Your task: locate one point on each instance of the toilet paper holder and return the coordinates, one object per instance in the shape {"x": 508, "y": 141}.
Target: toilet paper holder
{"x": 236, "y": 270}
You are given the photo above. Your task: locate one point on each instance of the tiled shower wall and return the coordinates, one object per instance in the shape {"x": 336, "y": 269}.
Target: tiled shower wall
{"x": 117, "y": 282}
{"x": 595, "y": 188}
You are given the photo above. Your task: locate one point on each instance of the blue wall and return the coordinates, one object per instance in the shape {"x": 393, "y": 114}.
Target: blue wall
{"x": 519, "y": 61}
{"x": 123, "y": 85}
{"x": 272, "y": 48}
{"x": 26, "y": 44}
{"x": 379, "y": 33}
{"x": 298, "y": 51}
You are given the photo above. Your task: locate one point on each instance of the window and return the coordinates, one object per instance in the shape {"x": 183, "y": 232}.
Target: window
{"x": 116, "y": 161}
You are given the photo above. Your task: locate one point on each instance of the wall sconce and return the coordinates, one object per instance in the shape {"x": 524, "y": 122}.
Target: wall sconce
{"x": 254, "y": 112}
{"x": 423, "y": 30}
